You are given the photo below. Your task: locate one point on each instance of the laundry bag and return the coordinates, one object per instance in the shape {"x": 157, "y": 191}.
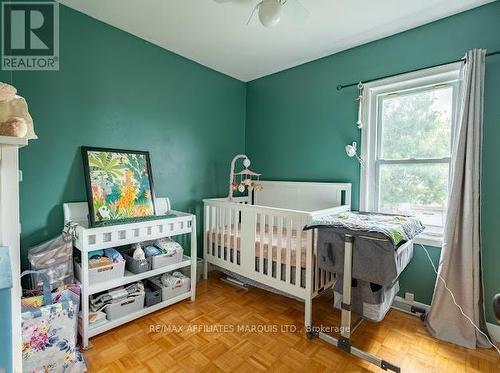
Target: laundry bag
{"x": 54, "y": 258}
{"x": 49, "y": 330}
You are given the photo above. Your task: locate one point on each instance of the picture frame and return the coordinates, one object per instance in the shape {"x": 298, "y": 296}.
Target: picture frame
{"x": 119, "y": 185}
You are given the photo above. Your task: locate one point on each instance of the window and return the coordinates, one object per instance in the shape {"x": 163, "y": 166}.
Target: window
{"x": 408, "y": 126}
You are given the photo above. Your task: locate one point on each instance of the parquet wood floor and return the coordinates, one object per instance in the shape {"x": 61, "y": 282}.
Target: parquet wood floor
{"x": 229, "y": 329}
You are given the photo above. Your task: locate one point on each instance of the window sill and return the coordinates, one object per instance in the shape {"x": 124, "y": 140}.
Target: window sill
{"x": 429, "y": 240}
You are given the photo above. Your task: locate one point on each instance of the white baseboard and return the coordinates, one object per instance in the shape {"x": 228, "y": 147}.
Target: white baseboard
{"x": 401, "y": 304}
{"x": 494, "y": 330}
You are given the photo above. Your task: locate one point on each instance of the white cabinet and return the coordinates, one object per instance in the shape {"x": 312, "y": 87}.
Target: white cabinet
{"x": 10, "y": 230}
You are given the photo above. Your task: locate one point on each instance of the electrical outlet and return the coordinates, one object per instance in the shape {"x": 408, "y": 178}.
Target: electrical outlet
{"x": 409, "y": 297}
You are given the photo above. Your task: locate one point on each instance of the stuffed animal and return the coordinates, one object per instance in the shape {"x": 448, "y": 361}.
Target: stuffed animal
{"x": 15, "y": 119}
{"x": 14, "y": 126}
{"x": 7, "y": 92}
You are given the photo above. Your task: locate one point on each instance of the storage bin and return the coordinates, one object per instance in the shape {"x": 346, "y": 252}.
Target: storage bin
{"x": 199, "y": 270}
{"x": 134, "y": 265}
{"x": 125, "y": 307}
{"x": 100, "y": 274}
{"x": 153, "y": 293}
{"x": 369, "y": 300}
{"x": 163, "y": 260}
{"x": 173, "y": 291}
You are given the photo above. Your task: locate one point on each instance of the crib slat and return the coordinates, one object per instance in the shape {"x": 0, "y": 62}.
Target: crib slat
{"x": 262, "y": 225}
{"x": 217, "y": 232}
{"x": 227, "y": 239}
{"x": 279, "y": 247}
{"x": 316, "y": 261}
{"x": 210, "y": 230}
{"x": 235, "y": 233}
{"x": 230, "y": 233}
{"x": 221, "y": 232}
{"x": 288, "y": 266}
{"x": 206, "y": 230}
{"x": 227, "y": 226}
{"x": 225, "y": 235}
{"x": 270, "y": 229}
{"x": 298, "y": 253}
{"x": 237, "y": 227}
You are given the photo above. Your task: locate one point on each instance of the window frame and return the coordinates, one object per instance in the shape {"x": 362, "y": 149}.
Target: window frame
{"x": 446, "y": 75}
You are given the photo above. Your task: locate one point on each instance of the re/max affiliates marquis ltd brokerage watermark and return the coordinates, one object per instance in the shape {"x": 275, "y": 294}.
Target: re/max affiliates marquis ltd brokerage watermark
{"x": 239, "y": 328}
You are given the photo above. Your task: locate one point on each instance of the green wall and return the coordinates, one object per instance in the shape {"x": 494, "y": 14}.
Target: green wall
{"x": 297, "y": 123}
{"x": 116, "y": 90}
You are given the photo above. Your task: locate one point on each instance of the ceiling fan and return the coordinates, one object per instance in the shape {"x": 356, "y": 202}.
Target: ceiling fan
{"x": 270, "y": 12}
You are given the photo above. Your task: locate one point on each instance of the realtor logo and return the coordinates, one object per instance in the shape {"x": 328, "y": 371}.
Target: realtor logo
{"x": 30, "y": 35}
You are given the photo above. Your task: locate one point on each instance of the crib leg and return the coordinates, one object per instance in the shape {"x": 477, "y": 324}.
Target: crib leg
{"x": 205, "y": 269}
{"x": 308, "y": 314}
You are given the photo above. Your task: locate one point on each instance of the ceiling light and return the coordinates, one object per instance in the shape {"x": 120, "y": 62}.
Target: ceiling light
{"x": 270, "y": 12}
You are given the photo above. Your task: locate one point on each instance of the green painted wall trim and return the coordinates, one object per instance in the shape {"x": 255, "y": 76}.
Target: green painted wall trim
{"x": 297, "y": 123}
{"x": 116, "y": 90}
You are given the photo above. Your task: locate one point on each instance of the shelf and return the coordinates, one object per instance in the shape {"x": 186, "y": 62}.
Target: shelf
{"x": 93, "y": 331}
{"x": 132, "y": 277}
{"x": 88, "y": 239}
{"x": 9, "y": 140}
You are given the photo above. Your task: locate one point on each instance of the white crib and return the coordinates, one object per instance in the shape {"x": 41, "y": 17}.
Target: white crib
{"x": 263, "y": 240}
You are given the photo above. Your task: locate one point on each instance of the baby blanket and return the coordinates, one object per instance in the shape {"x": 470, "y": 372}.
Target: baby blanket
{"x": 398, "y": 228}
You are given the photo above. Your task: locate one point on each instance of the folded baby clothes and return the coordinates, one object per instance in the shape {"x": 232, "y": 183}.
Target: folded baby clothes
{"x": 101, "y": 258}
{"x": 101, "y": 261}
{"x": 173, "y": 280}
{"x": 168, "y": 246}
{"x": 98, "y": 301}
{"x": 114, "y": 255}
{"x": 152, "y": 251}
{"x": 96, "y": 254}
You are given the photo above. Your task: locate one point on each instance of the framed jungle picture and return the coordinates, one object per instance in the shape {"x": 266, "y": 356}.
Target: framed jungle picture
{"x": 119, "y": 185}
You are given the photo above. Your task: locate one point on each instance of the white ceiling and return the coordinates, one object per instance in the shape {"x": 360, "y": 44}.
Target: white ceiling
{"x": 216, "y": 35}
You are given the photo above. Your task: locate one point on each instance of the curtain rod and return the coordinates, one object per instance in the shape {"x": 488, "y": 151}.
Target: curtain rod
{"x": 342, "y": 86}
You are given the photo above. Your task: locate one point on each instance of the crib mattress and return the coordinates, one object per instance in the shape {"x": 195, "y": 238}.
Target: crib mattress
{"x": 230, "y": 237}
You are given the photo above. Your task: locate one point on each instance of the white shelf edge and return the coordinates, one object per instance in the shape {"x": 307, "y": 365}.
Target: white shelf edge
{"x": 9, "y": 140}
{"x": 135, "y": 315}
{"x": 130, "y": 241}
{"x": 138, "y": 224}
{"x": 127, "y": 279}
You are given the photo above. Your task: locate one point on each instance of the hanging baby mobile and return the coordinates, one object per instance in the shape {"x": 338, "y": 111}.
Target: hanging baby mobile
{"x": 351, "y": 149}
{"x": 246, "y": 179}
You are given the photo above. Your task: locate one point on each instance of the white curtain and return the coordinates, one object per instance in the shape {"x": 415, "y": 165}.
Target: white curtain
{"x": 460, "y": 264}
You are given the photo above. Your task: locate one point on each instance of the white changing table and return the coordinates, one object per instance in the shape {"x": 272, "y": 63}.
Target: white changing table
{"x": 89, "y": 239}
